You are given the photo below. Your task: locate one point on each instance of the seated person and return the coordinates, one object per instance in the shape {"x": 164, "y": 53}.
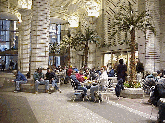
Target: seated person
{"x": 151, "y": 79}
{"x": 93, "y": 75}
{"x": 103, "y": 81}
{"x": 52, "y": 77}
{"x": 68, "y": 74}
{"x": 20, "y": 79}
{"x": 80, "y": 76}
{"x": 158, "y": 92}
{"x": 159, "y": 74}
{"x": 78, "y": 84}
{"x": 111, "y": 72}
{"x": 87, "y": 74}
{"x": 39, "y": 79}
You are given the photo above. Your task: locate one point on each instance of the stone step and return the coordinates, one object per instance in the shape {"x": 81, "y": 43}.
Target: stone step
{"x": 30, "y": 87}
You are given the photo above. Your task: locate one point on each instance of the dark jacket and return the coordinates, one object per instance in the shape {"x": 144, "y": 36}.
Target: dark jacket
{"x": 158, "y": 92}
{"x": 51, "y": 75}
{"x": 121, "y": 71}
{"x": 77, "y": 83}
{"x": 20, "y": 77}
{"x": 139, "y": 67}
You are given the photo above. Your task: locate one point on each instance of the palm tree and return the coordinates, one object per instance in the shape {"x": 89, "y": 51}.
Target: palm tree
{"x": 127, "y": 20}
{"x": 83, "y": 40}
{"x": 80, "y": 42}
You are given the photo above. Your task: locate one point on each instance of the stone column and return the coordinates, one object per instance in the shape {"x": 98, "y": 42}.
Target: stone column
{"x": 153, "y": 42}
{"x": 25, "y": 39}
{"x": 40, "y": 35}
{"x": 4, "y": 6}
{"x": 162, "y": 34}
{"x": 19, "y": 46}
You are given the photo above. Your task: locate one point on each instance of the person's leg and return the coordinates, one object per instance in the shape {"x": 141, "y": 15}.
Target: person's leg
{"x": 36, "y": 85}
{"x": 82, "y": 88}
{"x": 54, "y": 84}
{"x": 92, "y": 90}
{"x": 46, "y": 84}
{"x": 17, "y": 88}
{"x": 18, "y": 84}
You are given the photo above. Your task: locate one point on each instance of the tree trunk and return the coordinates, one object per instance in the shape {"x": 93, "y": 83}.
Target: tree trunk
{"x": 69, "y": 56}
{"x": 132, "y": 62}
{"x": 86, "y": 53}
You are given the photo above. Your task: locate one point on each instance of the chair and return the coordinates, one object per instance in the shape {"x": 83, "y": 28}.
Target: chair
{"x": 76, "y": 92}
{"x": 102, "y": 92}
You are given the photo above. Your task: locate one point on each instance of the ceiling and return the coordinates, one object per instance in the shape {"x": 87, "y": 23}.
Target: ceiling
{"x": 62, "y": 9}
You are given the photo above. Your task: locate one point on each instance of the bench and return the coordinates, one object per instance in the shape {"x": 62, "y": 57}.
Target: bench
{"x": 29, "y": 86}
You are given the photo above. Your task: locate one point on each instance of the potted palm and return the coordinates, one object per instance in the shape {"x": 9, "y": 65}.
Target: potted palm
{"x": 127, "y": 20}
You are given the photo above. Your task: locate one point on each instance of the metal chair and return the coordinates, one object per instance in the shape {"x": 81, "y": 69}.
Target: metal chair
{"x": 77, "y": 93}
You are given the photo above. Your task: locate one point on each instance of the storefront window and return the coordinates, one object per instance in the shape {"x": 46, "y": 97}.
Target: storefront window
{"x": 8, "y": 40}
{"x": 55, "y": 38}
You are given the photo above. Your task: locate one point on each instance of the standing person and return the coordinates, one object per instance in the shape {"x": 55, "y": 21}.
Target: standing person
{"x": 39, "y": 79}
{"x": 52, "y": 77}
{"x": 140, "y": 68}
{"x": 20, "y": 79}
{"x": 103, "y": 81}
{"x": 121, "y": 71}
{"x": 11, "y": 65}
{"x": 3, "y": 65}
{"x": 16, "y": 65}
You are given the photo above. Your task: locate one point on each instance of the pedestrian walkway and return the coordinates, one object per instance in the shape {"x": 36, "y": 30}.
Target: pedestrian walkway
{"x": 58, "y": 108}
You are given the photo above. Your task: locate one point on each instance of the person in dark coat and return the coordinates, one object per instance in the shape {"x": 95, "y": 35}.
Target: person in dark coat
{"x": 11, "y": 65}
{"x": 52, "y": 77}
{"x": 121, "y": 71}
{"x": 3, "y": 65}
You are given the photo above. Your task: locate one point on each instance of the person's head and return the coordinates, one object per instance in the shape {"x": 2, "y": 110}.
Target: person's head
{"x": 81, "y": 72}
{"x": 87, "y": 71}
{"x": 159, "y": 73}
{"x": 39, "y": 70}
{"x": 73, "y": 72}
{"x": 154, "y": 73}
{"x": 15, "y": 72}
{"x": 48, "y": 70}
{"x": 121, "y": 61}
{"x": 102, "y": 69}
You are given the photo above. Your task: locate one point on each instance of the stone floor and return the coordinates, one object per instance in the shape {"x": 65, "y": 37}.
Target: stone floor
{"x": 58, "y": 107}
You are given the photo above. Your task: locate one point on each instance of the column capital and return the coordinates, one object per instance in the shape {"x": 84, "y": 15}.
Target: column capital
{"x": 24, "y": 11}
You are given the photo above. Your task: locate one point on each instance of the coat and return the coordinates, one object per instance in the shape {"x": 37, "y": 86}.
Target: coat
{"x": 121, "y": 72}
{"x": 20, "y": 77}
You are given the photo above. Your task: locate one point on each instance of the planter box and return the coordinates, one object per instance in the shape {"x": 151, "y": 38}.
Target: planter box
{"x": 132, "y": 93}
